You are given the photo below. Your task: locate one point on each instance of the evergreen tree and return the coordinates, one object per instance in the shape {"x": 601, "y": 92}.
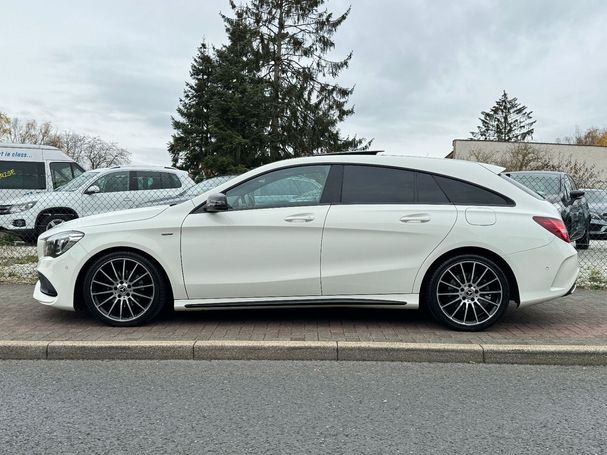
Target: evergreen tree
{"x": 289, "y": 41}
{"x": 508, "y": 120}
{"x": 191, "y": 142}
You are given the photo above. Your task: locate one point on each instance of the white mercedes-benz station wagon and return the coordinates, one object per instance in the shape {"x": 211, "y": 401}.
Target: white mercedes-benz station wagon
{"x": 334, "y": 230}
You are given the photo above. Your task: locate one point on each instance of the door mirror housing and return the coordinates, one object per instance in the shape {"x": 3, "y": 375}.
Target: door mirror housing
{"x": 576, "y": 194}
{"x": 216, "y": 203}
{"x": 93, "y": 189}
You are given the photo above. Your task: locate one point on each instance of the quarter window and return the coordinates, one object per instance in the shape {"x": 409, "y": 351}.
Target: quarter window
{"x": 462, "y": 193}
{"x": 291, "y": 187}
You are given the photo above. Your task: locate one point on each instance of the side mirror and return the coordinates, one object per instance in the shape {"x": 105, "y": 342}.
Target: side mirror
{"x": 92, "y": 189}
{"x": 217, "y": 203}
{"x": 576, "y": 194}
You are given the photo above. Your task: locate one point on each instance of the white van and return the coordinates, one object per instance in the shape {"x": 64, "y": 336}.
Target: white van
{"x": 26, "y": 168}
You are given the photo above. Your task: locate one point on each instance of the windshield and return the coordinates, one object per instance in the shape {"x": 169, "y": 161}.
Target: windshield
{"x": 79, "y": 181}
{"x": 544, "y": 185}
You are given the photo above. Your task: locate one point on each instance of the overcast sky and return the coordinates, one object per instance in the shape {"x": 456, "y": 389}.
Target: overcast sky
{"x": 423, "y": 70}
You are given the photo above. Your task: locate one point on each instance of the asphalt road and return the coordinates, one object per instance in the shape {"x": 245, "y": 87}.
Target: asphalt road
{"x": 300, "y": 407}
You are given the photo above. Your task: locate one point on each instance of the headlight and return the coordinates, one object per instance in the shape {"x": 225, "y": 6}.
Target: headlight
{"x": 58, "y": 244}
{"x": 22, "y": 207}
{"x": 595, "y": 216}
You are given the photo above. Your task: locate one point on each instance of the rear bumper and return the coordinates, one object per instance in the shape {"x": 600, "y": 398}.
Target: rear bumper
{"x": 545, "y": 273}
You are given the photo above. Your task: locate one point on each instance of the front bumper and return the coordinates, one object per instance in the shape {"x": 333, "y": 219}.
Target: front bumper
{"x": 62, "y": 273}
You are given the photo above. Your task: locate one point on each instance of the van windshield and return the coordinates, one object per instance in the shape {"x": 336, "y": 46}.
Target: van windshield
{"x": 79, "y": 181}
{"x": 22, "y": 175}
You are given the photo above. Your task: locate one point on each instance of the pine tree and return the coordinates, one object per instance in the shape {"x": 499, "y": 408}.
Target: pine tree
{"x": 192, "y": 139}
{"x": 290, "y": 40}
{"x": 508, "y": 121}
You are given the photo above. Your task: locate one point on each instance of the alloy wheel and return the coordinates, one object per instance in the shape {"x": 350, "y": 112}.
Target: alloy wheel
{"x": 122, "y": 289}
{"x": 469, "y": 293}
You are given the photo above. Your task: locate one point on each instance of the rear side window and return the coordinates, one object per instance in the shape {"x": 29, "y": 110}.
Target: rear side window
{"x": 18, "y": 175}
{"x": 377, "y": 185}
{"x": 428, "y": 191}
{"x": 170, "y": 180}
{"x": 463, "y": 193}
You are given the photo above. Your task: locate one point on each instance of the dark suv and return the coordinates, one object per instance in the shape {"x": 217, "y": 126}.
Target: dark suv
{"x": 560, "y": 189}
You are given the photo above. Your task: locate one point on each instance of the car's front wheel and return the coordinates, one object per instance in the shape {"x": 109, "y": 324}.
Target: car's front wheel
{"x": 467, "y": 292}
{"x": 124, "y": 289}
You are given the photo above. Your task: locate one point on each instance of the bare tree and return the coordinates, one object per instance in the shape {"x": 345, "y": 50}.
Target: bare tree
{"x": 92, "y": 152}
{"x": 5, "y": 123}
{"x": 31, "y": 132}
{"x": 528, "y": 157}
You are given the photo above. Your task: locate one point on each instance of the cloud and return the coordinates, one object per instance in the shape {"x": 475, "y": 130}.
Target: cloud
{"x": 423, "y": 70}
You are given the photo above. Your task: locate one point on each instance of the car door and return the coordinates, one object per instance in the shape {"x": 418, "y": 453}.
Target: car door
{"x": 113, "y": 194}
{"x": 388, "y": 222}
{"x": 266, "y": 245}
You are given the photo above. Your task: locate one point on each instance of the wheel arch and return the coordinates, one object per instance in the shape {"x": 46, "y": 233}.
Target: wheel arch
{"x": 55, "y": 210}
{"x": 512, "y": 282}
{"x": 78, "y": 297}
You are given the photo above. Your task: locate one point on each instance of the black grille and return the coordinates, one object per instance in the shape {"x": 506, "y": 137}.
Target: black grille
{"x": 4, "y": 209}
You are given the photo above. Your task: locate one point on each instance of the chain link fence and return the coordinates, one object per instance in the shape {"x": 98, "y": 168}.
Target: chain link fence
{"x": 34, "y": 210}
{"x": 28, "y": 209}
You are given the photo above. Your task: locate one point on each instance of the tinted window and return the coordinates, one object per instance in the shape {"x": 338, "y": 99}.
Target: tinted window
{"x": 16, "y": 175}
{"x": 170, "y": 180}
{"x": 428, "y": 191}
{"x": 377, "y": 185}
{"x": 114, "y": 182}
{"x": 462, "y": 193}
{"x": 295, "y": 186}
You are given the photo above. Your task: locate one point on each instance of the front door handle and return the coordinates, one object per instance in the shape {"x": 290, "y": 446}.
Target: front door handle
{"x": 300, "y": 218}
{"x": 416, "y": 218}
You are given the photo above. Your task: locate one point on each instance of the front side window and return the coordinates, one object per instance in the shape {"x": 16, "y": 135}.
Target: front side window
{"x": 22, "y": 175}
{"x": 291, "y": 187}
{"x": 64, "y": 172}
{"x": 113, "y": 182}
{"x": 377, "y": 185}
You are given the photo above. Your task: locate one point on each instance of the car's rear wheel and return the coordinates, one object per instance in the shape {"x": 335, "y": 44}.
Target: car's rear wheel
{"x": 124, "y": 289}
{"x": 467, "y": 292}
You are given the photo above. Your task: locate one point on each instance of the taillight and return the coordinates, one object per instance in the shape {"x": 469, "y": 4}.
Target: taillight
{"x": 554, "y": 225}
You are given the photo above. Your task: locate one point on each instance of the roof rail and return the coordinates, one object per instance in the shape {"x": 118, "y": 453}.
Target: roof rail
{"x": 356, "y": 152}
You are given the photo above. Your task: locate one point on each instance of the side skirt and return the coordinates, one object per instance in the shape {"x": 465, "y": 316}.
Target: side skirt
{"x": 408, "y": 301}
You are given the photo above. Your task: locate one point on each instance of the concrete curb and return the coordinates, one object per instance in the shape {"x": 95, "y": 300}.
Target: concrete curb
{"x": 305, "y": 350}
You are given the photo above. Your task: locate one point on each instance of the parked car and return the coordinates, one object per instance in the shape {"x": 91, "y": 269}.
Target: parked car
{"x": 560, "y": 189}
{"x": 191, "y": 192}
{"x": 93, "y": 192}
{"x": 27, "y": 169}
{"x": 376, "y": 230}
{"x": 597, "y": 203}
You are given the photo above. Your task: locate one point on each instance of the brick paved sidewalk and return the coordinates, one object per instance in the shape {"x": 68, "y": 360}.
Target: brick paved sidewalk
{"x": 577, "y": 319}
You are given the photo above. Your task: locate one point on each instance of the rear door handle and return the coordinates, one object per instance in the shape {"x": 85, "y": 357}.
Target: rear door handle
{"x": 300, "y": 218}
{"x": 416, "y": 218}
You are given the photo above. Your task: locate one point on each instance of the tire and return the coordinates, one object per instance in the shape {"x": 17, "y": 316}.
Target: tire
{"x": 467, "y": 293}
{"x": 583, "y": 242}
{"x": 124, "y": 289}
{"x": 51, "y": 220}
